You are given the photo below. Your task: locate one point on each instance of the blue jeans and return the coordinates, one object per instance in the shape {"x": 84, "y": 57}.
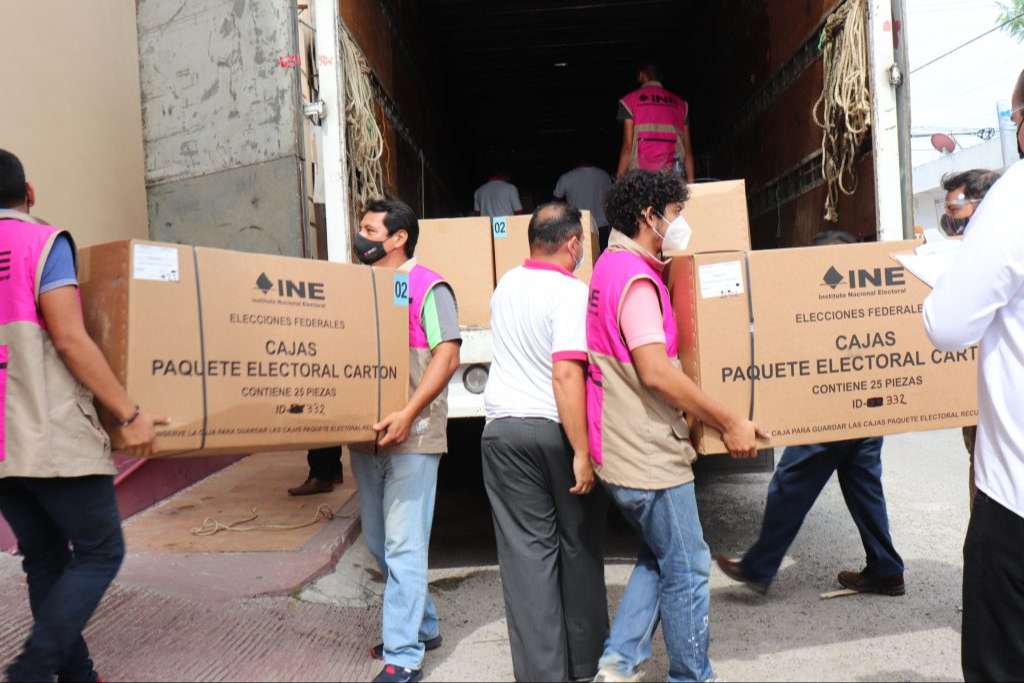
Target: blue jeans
{"x": 669, "y": 585}
{"x": 49, "y": 517}
{"x": 396, "y": 496}
{"x": 799, "y": 481}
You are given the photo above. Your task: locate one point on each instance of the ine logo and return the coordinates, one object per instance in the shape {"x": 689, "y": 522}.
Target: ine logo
{"x": 832, "y": 278}
{"x": 866, "y": 279}
{"x": 288, "y": 289}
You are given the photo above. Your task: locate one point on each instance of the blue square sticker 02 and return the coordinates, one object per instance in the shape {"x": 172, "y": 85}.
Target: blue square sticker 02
{"x": 500, "y": 227}
{"x": 401, "y": 289}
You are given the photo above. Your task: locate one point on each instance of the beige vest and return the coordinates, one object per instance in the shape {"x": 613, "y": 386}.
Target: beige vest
{"x": 51, "y": 427}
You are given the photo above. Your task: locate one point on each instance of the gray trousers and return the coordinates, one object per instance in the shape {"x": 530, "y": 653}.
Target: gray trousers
{"x": 550, "y": 549}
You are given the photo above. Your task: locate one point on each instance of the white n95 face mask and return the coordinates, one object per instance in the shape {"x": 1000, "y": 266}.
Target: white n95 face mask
{"x": 677, "y": 237}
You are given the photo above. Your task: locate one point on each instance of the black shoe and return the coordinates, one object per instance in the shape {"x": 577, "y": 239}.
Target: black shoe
{"x": 393, "y": 674}
{"x": 732, "y": 569}
{"x": 855, "y": 581}
{"x": 430, "y": 645}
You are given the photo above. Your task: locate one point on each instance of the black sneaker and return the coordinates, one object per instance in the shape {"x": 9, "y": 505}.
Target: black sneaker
{"x": 434, "y": 643}
{"x": 393, "y": 674}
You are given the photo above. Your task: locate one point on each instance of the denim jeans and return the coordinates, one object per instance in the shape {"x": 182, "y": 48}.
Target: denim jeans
{"x": 69, "y": 531}
{"x": 396, "y": 496}
{"x": 799, "y": 481}
{"x": 669, "y": 585}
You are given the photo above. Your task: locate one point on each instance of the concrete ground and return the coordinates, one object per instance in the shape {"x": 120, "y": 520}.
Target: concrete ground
{"x": 789, "y": 635}
{"x": 161, "y": 630}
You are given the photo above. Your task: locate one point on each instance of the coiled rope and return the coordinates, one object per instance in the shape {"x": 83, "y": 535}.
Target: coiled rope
{"x": 844, "y": 109}
{"x": 365, "y": 140}
{"x": 212, "y": 527}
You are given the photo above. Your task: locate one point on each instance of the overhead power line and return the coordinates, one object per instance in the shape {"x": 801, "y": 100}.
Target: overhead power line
{"x": 970, "y": 42}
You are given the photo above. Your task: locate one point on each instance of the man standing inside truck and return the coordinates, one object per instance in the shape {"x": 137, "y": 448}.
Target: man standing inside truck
{"x": 56, "y": 473}
{"x": 655, "y": 127}
{"x": 799, "y": 480}
{"x": 498, "y": 197}
{"x": 638, "y": 400}
{"x": 585, "y": 187}
{"x": 980, "y": 298}
{"x": 548, "y": 518}
{"x": 397, "y": 476}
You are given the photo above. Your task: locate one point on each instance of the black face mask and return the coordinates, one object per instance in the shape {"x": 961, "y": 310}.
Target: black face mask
{"x": 954, "y": 227}
{"x": 368, "y": 251}
{"x": 1020, "y": 150}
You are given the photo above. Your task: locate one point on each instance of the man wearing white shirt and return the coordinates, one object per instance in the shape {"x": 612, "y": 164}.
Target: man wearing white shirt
{"x": 536, "y": 459}
{"x": 980, "y": 299}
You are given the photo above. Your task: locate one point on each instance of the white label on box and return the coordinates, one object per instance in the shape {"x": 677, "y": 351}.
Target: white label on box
{"x": 156, "y": 263}
{"x": 719, "y": 280}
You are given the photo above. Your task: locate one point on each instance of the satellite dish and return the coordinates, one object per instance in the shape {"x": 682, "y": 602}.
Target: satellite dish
{"x": 943, "y": 143}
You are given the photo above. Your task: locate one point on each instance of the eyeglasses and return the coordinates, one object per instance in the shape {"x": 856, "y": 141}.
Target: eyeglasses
{"x": 960, "y": 202}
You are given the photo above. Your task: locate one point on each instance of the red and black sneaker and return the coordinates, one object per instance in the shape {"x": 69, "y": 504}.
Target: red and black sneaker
{"x": 394, "y": 674}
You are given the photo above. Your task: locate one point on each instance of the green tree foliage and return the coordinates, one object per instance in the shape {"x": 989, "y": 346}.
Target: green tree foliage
{"x": 1012, "y": 14}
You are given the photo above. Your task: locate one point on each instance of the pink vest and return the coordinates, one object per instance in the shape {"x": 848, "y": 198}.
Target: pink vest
{"x": 637, "y": 440}
{"x": 659, "y": 123}
{"x": 430, "y": 429}
{"x": 49, "y": 426}
{"x": 421, "y": 282}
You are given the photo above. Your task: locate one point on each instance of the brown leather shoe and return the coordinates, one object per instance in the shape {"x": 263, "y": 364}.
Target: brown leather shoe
{"x": 732, "y": 569}
{"x": 312, "y": 487}
{"x": 855, "y": 581}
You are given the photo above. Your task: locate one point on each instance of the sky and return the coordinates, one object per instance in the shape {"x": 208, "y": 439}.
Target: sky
{"x": 960, "y": 91}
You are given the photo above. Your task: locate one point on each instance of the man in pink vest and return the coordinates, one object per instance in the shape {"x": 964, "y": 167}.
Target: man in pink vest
{"x": 638, "y": 401}
{"x": 655, "y": 127}
{"x": 397, "y": 476}
{"x": 56, "y": 473}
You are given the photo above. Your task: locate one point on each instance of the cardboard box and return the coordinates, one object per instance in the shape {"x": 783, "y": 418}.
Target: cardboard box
{"x": 827, "y": 344}
{"x": 512, "y": 245}
{"x": 246, "y": 352}
{"x": 460, "y": 250}
{"x": 718, "y": 214}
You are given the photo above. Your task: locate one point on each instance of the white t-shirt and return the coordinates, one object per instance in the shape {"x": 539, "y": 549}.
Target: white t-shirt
{"x": 585, "y": 188}
{"x": 497, "y": 198}
{"x": 980, "y": 298}
{"x": 538, "y": 316}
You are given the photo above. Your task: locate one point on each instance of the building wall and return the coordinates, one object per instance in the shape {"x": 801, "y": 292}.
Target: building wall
{"x": 72, "y": 113}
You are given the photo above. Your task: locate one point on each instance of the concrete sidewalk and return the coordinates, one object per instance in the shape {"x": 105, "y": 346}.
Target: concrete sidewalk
{"x": 138, "y": 635}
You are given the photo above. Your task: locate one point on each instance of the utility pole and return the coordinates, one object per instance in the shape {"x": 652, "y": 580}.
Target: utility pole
{"x": 1007, "y": 134}
{"x": 332, "y": 92}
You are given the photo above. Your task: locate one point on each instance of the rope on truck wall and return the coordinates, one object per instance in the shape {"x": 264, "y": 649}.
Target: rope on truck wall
{"x": 844, "y": 109}
{"x": 365, "y": 140}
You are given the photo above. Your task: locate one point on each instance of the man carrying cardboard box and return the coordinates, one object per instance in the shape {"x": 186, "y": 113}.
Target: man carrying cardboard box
{"x": 56, "y": 473}
{"x": 981, "y": 299}
{"x": 801, "y": 476}
{"x": 397, "y": 477}
{"x": 536, "y": 460}
{"x": 638, "y": 399}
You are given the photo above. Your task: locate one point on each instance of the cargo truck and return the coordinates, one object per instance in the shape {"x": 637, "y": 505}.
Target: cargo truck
{"x": 247, "y": 148}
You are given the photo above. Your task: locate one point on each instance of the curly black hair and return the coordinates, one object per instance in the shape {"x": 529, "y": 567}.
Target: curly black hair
{"x": 639, "y": 190}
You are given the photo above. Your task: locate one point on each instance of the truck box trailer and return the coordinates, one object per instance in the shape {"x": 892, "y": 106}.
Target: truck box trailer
{"x": 244, "y": 104}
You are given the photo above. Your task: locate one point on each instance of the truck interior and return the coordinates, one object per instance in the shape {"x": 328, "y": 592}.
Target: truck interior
{"x": 530, "y": 88}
